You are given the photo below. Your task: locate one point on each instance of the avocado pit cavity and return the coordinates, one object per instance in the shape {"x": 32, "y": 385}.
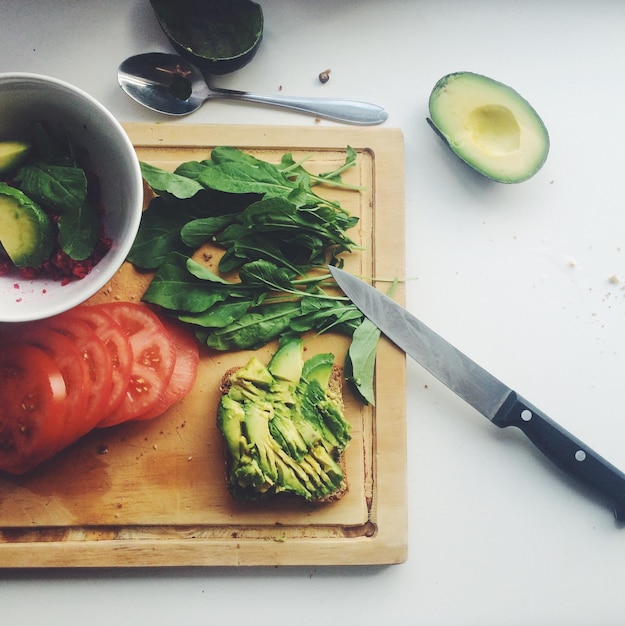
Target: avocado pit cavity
{"x": 494, "y": 129}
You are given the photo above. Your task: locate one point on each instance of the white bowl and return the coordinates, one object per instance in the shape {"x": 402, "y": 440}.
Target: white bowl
{"x": 27, "y": 98}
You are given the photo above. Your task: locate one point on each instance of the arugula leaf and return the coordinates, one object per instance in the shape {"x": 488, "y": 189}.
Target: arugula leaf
{"x": 333, "y": 178}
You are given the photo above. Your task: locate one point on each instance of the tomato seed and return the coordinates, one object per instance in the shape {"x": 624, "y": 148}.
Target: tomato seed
{"x": 140, "y": 385}
{"x": 29, "y": 403}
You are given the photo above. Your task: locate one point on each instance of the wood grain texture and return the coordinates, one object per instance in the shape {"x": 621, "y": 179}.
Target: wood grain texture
{"x": 152, "y": 493}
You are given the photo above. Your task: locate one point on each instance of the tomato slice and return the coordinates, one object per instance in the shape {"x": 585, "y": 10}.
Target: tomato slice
{"x": 116, "y": 342}
{"x": 74, "y": 370}
{"x": 99, "y": 364}
{"x": 33, "y": 407}
{"x": 185, "y": 370}
{"x": 154, "y": 357}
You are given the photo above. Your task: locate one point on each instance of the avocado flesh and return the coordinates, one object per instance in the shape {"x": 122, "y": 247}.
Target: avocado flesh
{"x": 287, "y": 363}
{"x": 26, "y": 232}
{"x": 12, "y": 154}
{"x": 489, "y": 126}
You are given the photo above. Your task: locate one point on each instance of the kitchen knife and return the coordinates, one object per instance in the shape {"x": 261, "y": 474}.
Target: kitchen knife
{"x": 500, "y": 404}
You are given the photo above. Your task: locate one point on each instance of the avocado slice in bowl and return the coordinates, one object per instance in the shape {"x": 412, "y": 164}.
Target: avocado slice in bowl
{"x": 12, "y": 154}
{"x": 219, "y": 36}
{"x": 27, "y": 234}
{"x": 489, "y": 125}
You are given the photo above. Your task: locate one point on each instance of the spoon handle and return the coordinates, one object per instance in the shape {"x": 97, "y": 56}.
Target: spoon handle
{"x": 349, "y": 111}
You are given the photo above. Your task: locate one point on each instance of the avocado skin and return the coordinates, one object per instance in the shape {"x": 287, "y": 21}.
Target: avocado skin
{"x": 193, "y": 28}
{"x": 513, "y": 96}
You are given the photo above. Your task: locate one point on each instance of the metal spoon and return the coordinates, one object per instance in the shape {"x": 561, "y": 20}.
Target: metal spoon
{"x": 167, "y": 83}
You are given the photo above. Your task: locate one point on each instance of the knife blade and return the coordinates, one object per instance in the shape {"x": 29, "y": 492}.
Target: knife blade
{"x": 484, "y": 392}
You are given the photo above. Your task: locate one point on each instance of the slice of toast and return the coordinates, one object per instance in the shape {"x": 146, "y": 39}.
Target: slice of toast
{"x": 283, "y": 441}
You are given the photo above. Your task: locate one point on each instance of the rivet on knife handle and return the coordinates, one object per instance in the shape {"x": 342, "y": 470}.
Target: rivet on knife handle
{"x": 562, "y": 448}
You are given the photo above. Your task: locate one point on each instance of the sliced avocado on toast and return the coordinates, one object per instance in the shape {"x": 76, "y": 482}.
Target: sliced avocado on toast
{"x": 284, "y": 427}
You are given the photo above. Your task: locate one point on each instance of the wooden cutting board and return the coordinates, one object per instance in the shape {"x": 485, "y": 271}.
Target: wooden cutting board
{"x": 153, "y": 493}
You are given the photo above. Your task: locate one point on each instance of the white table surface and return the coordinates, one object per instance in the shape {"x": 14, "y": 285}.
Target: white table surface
{"x": 528, "y": 279}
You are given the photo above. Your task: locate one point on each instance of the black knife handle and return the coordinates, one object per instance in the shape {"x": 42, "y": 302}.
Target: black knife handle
{"x": 566, "y": 451}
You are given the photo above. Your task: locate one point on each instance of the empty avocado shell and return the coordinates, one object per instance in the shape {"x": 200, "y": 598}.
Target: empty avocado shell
{"x": 219, "y": 36}
{"x": 489, "y": 126}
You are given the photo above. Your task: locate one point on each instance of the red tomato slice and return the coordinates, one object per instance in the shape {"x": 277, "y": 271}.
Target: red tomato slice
{"x": 117, "y": 343}
{"x": 185, "y": 370}
{"x": 74, "y": 370}
{"x": 99, "y": 363}
{"x": 154, "y": 356}
{"x": 33, "y": 407}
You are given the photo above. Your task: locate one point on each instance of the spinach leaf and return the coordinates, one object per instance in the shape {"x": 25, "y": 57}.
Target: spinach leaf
{"x": 249, "y": 247}
{"x": 219, "y": 315}
{"x": 254, "y": 329}
{"x": 56, "y": 182}
{"x": 202, "y": 272}
{"x": 159, "y": 234}
{"x": 242, "y": 177}
{"x": 53, "y": 148}
{"x": 325, "y": 315}
{"x": 275, "y": 232}
{"x": 267, "y": 275}
{"x": 63, "y": 190}
{"x": 224, "y": 154}
{"x": 59, "y": 188}
{"x": 191, "y": 169}
{"x": 162, "y": 181}
{"x": 203, "y": 229}
{"x": 360, "y": 360}
{"x": 79, "y": 231}
{"x": 174, "y": 287}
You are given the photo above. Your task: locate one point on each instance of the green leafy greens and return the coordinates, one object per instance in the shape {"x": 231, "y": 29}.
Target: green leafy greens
{"x": 54, "y": 179}
{"x": 277, "y": 237}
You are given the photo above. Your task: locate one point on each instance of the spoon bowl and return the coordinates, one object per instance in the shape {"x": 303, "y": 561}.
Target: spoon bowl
{"x": 169, "y": 84}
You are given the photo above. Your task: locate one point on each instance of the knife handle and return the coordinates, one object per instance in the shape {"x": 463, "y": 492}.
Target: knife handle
{"x": 566, "y": 451}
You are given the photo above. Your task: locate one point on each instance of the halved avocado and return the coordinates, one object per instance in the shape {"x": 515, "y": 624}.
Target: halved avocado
{"x": 27, "y": 234}
{"x": 12, "y": 154}
{"x": 489, "y": 126}
{"x": 219, "y": 36}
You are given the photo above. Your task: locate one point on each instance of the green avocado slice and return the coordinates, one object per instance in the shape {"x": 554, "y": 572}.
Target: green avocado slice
{"x": 12, "y": 154}
{"x": 26, "y": 232}
{"x": 489, "y": 126}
